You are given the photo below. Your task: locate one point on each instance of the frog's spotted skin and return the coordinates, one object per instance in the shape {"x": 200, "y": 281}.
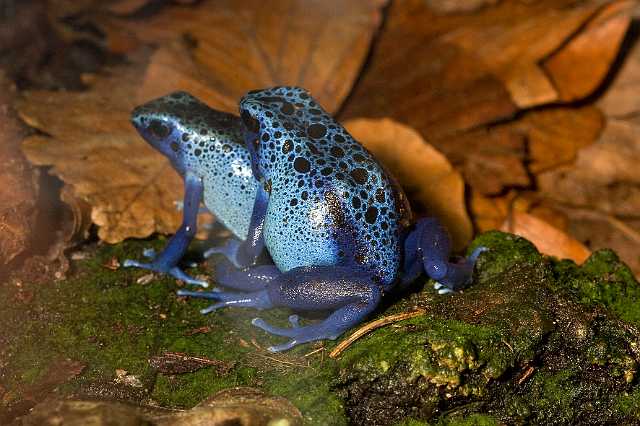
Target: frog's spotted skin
{"x": 331, "y": 202}
{"x": 333, "y": 221}
{"x": 209, "y": 142}
{"x": 206, "y": 147}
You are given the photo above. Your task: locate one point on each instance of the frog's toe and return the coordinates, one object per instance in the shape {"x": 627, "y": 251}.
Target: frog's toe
{"x": 476, "y": 253}
{"x": 278, "y": 331}
{"x": 442, "y": 289}
{"x": 297, "y": 334}
{"x": 149, "y": 253}
{"x": 182, "y": 276}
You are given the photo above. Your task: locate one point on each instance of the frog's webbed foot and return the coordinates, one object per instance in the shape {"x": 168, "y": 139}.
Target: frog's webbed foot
{"x": 158, "y": 266}
{"x": 256, "y": 299}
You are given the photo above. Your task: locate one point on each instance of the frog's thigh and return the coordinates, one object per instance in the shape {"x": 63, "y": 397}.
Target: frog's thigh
{"x": 253, "y": 278}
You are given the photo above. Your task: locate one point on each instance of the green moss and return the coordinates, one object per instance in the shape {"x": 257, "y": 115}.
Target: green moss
{"x": 606, "y": 281}
{"x": 629, "y": 404}
{"x": 472, "y": 420}
{"x": 530, "y": 341}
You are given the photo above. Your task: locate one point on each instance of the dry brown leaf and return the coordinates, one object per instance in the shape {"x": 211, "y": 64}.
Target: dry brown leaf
{"x": 489, "y": 213}
{"x": 605, "y": 175}
{"x": 556, "y": 134}
{"x": 579, "y": 67}
{"x": 548, "y": 239}
{"x": 427, "y": 177}
{"x": 601, "y": 191}
{"x": 490, "y": 159}
{"x": 18, "y": 189}
{"x": 458, "y": 6}
{"x": 513, "y": 48}
{"x": 241, "y": 45}
{"x": 621, "y": 98}
{"x": 92, "y": 147}
{"x": 439, "y": 97}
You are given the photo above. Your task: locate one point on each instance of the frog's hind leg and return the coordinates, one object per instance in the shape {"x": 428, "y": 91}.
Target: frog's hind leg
{"x": 430, "y": 245}
{"x": 253, "y": 278}
{"x": 351, "y": 295}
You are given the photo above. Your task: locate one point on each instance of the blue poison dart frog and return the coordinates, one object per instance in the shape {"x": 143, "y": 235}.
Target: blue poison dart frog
{"x": 287, "y": 178}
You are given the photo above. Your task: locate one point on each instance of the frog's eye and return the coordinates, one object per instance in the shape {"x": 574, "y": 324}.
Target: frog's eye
{"x": 158, "y": 129}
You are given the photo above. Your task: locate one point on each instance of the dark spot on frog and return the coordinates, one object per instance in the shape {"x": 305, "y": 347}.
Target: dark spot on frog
{"x": 198, "y": 152}
{"x": 316, "y": 131}
{"x": 293, "y": 202}
{"x": 326, "y": 171}
{"x": 359, "y": 175}
{"x": 313, "y": 149}
{"x": 265, "y": 137}
{"x": 287, "y": 108}
{"x": 359, "y": 158}
{"x": 226, "y": 148}
{"x": 380, "y": 195}
{"x": 158, "y": 129}
{"x": 337, "y": 152}
{"x": 175, "y": 146}
{"x": 355, "y": 202}
{"x": 301, "y": 165}
{"x": 185, "y": 137}
{"x": 371, "y": 215}
{"x": 338, "y": 138}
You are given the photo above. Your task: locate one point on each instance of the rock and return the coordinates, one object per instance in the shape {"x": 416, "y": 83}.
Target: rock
{"x": 237, "y": 406}
{"x": 530, "y": 342}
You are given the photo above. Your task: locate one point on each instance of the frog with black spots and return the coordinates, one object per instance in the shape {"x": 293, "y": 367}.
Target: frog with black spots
{"x": 336, "y": 225}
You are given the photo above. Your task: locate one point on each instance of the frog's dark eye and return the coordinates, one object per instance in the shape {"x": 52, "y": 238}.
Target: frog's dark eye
{"x": 158, "y": 129}
{"x": 250, "y": 122}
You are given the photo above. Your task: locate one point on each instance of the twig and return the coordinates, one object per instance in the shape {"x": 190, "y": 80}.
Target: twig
{"x": 282, "y": 361}
{"x": 314, "y": 351}
{"x": 372, "y": 326}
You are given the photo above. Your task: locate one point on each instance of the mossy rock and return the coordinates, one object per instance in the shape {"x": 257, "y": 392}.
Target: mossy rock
{"x": 534, "y": 340}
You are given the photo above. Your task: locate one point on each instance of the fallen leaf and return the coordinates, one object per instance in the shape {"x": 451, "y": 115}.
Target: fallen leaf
{"x": 491, "y": 159}
{"x": 548, "y": 239}
{"x": 438, "y": 98}
{"x": 427, "y": 177}
{"x": 621, "y": 98}
{"x": 18, "y": 188}
{"x": 556, "y": 135}
{"x": 245, "y": 45}
{"x": 605, "y": 175}
{"x": 458, "y": 6}
{"x": 581, "y": 65}
{"x": 91, "y": 146}
{"x": 170, "y": 363}
{"x": 513, "y": 44}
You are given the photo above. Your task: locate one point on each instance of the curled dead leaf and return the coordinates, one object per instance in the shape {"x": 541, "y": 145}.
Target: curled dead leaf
{"x": 243, "y": 45}
{"x": 18, "y": 188}
{"x": 427, "y": 177}
{"x": 548, "y": 239}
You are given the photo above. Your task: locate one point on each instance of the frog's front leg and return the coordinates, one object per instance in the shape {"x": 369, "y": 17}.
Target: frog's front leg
{"x": 167, "y": 260}
{"x": 428, "y": 248}
{"x": 245, "y": 253}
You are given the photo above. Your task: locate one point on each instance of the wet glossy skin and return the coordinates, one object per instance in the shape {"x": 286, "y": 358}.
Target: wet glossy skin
{"x": 299, "y": 186}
